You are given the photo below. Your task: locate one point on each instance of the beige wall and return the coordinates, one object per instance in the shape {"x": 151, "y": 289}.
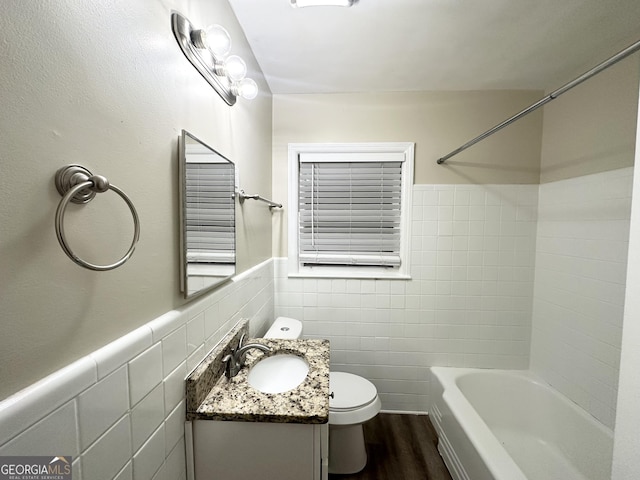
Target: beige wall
{"x": 591, "y": 128}
{"x": 104, "y": 84}
{"x": 437, "y": 122}
{"x": 626, "y": 462}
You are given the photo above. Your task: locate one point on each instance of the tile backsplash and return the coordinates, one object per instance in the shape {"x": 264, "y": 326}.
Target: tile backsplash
{"x": 581, "y": 264}
{"x": 120, "y": 411}
{"x": 468, "y": 302}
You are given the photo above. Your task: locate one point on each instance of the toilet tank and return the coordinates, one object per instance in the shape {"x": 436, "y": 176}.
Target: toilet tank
{"x": 285, "y": 328}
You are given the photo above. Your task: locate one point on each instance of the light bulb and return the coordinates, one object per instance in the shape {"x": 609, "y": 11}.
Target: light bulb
{"x": 246, "y": 88}
{"x": 235, "y": 68}
{"x": 218, "y": 40}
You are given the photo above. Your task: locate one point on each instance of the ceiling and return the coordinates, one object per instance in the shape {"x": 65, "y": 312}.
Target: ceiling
{"x": 411, "y": 45}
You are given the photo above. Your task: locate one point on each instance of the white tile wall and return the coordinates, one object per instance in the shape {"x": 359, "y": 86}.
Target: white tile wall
{"x": 54, "y": 432}
{"x": 149, "y": 458}
{"x": 16, "y": 412}
{"x": 146, "y": 416}
{"x": 120, "y": 411}
{"x": 101, "y": 405}
{"x": 468, "y": 303}
{"x": 582, "y": 244}
{"x": 145, "y": 372}
{"x": 103, "y": 459}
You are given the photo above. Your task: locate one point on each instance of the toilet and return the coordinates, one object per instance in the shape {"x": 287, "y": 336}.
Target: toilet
{"x": 353, "y": 400}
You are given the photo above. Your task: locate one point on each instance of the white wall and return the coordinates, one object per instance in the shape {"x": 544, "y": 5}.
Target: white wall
{"x": 626, "y": 461}
{"x": 120, "y": 411}
{"x": 105, "y": 84}
{"x": 581, "y": 261}
{"x": 468, "y": 303}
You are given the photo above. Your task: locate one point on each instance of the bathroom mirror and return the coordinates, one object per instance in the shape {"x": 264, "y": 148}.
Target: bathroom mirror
{"x": 207, "y": 217}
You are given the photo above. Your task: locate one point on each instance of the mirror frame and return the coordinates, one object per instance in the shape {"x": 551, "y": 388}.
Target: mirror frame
{"x": 182, "y": 161}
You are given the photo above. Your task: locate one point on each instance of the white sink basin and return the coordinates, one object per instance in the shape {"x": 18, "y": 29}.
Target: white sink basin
{"x": 278, "y": 373}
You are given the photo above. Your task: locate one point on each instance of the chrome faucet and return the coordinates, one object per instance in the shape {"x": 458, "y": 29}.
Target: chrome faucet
{"x": 235, "y": 360}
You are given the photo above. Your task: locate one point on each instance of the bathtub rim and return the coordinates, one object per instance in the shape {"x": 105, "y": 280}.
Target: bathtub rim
{"x": 478, "y": 432}
{"x": 484, "y": 441}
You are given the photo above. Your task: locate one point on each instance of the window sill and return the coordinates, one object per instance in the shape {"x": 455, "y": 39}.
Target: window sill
{"x": 359, "y": 276}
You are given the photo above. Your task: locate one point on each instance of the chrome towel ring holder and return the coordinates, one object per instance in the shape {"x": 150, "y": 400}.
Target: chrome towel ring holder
{"x": 78, "y": 185}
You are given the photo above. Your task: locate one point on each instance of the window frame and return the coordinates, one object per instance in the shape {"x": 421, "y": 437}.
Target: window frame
{"x": 295, "y": 269}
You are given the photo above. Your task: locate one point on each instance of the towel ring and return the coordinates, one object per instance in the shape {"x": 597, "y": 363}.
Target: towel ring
{"x": 78, "y": 185}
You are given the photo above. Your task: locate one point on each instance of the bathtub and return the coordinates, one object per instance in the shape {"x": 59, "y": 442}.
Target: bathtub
{"x": 510, "y": 425}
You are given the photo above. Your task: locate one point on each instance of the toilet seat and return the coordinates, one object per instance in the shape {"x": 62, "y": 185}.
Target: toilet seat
{"x": 349, "y": 391}
{"x": 354, "y": 399}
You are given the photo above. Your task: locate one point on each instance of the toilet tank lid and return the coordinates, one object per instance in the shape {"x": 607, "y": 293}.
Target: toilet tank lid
{"x": 285, "y": 328}
{"x": 350, "y": 391}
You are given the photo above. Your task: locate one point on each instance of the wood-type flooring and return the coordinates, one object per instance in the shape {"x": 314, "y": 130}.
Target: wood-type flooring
{"x": 400, "y": 447}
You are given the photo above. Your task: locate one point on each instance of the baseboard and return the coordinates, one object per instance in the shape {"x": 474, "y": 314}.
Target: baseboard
{"x": 405, "y": 412}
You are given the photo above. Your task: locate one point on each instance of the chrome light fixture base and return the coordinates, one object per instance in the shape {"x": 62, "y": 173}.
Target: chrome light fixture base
{"x": 184, "y": 32}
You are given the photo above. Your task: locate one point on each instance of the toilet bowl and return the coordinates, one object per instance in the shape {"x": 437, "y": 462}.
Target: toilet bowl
{"x": 353, "y": 400}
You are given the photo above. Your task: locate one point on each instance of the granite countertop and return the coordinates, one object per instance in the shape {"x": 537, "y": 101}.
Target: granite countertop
{"x": 234, "y": 399}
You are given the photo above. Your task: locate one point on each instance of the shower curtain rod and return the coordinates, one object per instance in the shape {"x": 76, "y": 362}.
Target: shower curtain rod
{"x": 552, "y": 96}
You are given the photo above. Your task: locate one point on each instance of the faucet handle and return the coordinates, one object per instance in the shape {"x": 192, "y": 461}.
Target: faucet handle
{"x": 241, "y": 341}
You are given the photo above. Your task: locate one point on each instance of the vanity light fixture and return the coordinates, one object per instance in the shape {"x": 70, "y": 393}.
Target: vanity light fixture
{"x": 208, "y": 51}
{"x": 320, "y": 3}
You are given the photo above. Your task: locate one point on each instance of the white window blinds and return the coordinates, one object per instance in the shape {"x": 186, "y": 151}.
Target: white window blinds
{"x": 210, "y": 229}
{"x": 350, "y": 209}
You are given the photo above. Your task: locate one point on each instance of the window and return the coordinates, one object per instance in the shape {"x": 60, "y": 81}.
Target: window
{"x": 349, "y": 208}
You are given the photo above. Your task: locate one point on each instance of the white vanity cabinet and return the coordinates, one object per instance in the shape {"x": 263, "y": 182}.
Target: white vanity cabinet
{"x": 230, "y": 450}
{"x": 236, "y": 431}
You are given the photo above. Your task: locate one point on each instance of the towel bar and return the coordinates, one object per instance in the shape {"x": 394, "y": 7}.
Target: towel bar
{"x": 78, "y": 185}
{"x": 243, "y": 196}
